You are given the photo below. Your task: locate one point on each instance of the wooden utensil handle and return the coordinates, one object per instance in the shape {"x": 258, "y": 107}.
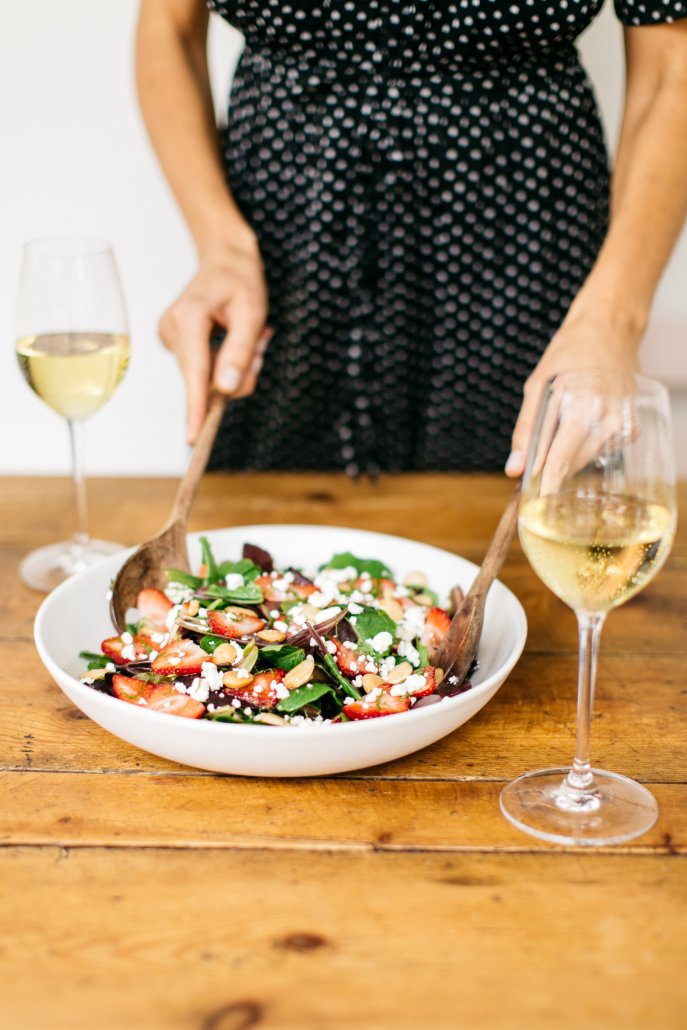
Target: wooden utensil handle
{"x": 498, "y": 548}
{"x": 199, "y": 459}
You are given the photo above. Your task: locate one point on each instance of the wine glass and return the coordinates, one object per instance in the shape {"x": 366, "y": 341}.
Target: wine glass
{"x": 73, "y": 349}
{"x": 596, "y": 521}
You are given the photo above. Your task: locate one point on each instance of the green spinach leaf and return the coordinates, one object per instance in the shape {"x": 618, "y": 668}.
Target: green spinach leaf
{"x": 281, "y": 656}
{"x": 180, "y": 576}
{"x": 307, "y": 695}
{"x": 376, "y": 569}
{"x": 249, "y": 593}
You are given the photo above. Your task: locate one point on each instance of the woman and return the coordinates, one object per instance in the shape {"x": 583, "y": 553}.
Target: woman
{"x": 414, "y": 199}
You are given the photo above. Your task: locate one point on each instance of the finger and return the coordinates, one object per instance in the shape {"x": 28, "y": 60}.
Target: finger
{"x": 246, "y": 326}
{"x": 250, "y": 380}
{"x": 578, "y": 437}
{"x": 524, "y": 427}
{"x": 263, "y": 342}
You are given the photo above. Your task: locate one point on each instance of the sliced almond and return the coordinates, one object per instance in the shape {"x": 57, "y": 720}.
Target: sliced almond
{"x": 300, "y": 674}
{"x": 269, "y": 719}
{"x": 239, "y": 613}
{"x": 225, "y": 654}
{"x": 399, "y": 673}
{"x": 424, "y": 599}
{"x": 392, "y": 608}
{"x": 192, "y": 607}
{"x": 271, "y": 636}
{"x": 415, "y": 579}
{"x": 94, "y": 674}
{"x": 370, "y": 681}
{"x": 237, "y": 678}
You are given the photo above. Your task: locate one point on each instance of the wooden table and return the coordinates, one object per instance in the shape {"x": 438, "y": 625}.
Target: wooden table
{"x": 140, "y": 894}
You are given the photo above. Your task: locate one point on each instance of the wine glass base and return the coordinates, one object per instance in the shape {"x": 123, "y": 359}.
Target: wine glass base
{"x": 612, "y": 810}
{"x": 47, "y": 567}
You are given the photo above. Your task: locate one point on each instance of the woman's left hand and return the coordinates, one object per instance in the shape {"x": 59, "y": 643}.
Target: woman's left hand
{"x": 583, "y": 343}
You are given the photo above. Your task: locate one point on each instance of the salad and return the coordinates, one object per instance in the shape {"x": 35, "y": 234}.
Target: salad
{"x": 242, "y": 642}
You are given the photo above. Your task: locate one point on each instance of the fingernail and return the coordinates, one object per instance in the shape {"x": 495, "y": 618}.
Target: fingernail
{"x": 514, "y": 462}
{"x": 264, "y": 341}
{"x": 256, "y": 365}
{"x": 229, "y": 378}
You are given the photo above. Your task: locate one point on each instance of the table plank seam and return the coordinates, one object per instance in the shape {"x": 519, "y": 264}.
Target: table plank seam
{"x": 336, "y": 777}
{"x": 667, "y": 849}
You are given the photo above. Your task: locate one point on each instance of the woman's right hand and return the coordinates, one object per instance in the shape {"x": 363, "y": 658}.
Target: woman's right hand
{"x": 228, "y": 291}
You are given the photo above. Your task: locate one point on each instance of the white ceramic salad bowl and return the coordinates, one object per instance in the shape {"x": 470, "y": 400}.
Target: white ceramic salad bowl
{"x": 76, "y": 617}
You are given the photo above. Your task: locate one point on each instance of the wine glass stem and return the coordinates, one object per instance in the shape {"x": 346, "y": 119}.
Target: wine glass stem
{"x": 77, "y": 442}
{"x": 580, "y": 776}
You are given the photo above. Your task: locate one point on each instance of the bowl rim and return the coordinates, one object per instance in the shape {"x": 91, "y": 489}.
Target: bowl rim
{"x": 360, "y": 726}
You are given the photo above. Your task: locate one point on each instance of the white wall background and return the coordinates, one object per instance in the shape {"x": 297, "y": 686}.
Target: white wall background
{"x": 76, "y": 159}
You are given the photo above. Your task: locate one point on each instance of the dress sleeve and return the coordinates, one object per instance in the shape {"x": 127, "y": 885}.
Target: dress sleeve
{"x": 650, "y": 12}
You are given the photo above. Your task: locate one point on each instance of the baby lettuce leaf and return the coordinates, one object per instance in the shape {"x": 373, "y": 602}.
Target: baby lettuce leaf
{"x": 180, "y": 576}
{"x": 332, "y": 669}
{"x": 249, "y": 593}
{"x": 302, "y": 696}
{"x": 212, "y": 572}
{"x": 280, "y": 656}
{"x": 243, "y": 567}
{"x": 251, "y": 653}
{"x": 95, "y": 661}
{"x": 376, "y": 569}
{"x": 210, "y": 642}
{"x": 371, "y": 621}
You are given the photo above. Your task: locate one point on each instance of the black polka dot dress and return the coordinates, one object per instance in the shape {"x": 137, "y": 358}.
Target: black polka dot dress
{"x": 429, "y": 185}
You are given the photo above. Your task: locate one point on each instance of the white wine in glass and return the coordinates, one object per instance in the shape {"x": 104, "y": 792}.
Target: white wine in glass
{"x": 73, "y": 349}
{"x": 597, "y": 520}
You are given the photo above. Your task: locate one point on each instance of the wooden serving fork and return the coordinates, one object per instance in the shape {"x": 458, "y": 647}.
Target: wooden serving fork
{"x": 147, "y": 566}
{"x": 457, "y": 650}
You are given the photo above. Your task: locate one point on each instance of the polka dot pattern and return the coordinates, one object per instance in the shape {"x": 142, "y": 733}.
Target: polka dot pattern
{"x": 429, "y": 185}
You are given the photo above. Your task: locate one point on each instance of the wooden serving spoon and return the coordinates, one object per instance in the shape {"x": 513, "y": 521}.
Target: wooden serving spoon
{"x": 457, "y": 650}
{"x": 147, "y": 565}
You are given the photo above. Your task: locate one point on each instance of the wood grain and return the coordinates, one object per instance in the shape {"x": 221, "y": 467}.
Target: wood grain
{"x": 137, "y": 893}
{"x": 150, "y": 940}
{"x": 88, "y": 809}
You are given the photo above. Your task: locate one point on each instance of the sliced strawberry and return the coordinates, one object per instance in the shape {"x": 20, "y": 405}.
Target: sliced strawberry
{"x": 128, "y": 689}
{"x": 303, "y": 590}
{"x": 273, "y": 593}
{"x": 384, "y": 704}
{"x": 269, "y": 590}
{"x": 437, "y": 622}
{"x": 114, "y": 647}
{"x": 416, "y": 689}
{"x": 180, "y": 658}
{"x": 351, "y": 663}
{"x": 261, "y": 692}
{"x": 235, "y": 622}
{"x": 154, "y": 607}
{"x": 365, "y": 584}
{"x": 162, "y": 697}
{"x": 430, "y": 686}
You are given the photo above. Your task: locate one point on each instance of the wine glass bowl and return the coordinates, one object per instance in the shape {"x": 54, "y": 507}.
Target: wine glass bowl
{"x": 72, "y": 344}
{"x": 596, "y": 522}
